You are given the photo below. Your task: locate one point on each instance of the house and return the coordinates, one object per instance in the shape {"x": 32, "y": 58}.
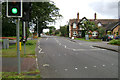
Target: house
{"x": 76, "y": 31}
{"x": 113, "y": 28}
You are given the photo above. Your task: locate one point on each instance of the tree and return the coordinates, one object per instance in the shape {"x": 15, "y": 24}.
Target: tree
{"x": 101, "y": 31}
{"x": 57, "y": 32}
{"x": 64, "y": 31}
{"x": 88, "y": 26}
{"x": 52, "y": 30}
{"x": 44, "y": 12}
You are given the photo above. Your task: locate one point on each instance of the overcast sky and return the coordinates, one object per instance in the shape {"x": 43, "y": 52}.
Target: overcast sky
{"x": 105, "y": 9}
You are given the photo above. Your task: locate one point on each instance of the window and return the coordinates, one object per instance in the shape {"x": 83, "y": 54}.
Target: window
{"x": 82, "y": 24}
{"x": 74, "y": 25}
{"x": 74, "y": 33}
{"x": 79, "y": 33}
{"x": 99, "y": 24}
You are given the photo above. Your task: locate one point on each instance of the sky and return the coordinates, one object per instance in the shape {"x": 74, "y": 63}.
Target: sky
{"x": 105, "y": 9}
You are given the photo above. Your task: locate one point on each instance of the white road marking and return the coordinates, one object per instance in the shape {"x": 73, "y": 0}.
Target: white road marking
{"x": 92, "y": 47}
{"x": 40, "y": 50}
{"x": 87, "y": 49}
{"x": 103, "y": 65}
{"x": 39, "y": 47}
{"x": 66, "y": 69}
{"x": 86, "y": 67}
{"x": 46, "y": 65}
{"x": 65, "y": 46}
{"x": 76, "y": 68}
{"x": 103, "y": 49}
{"x": 37, "y": 63}
{"x": 94, "y": 66}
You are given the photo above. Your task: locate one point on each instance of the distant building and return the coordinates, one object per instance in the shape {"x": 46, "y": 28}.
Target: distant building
{"x": 109, "y": 24}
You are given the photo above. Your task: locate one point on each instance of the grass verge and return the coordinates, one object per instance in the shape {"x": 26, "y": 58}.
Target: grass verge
{"x": 115, "y": 42}
{"x": 90, "y": 40}
{"x": 29, "y": 52}
{"x": 11, "y": 75}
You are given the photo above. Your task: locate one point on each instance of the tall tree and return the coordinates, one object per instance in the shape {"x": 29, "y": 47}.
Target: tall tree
{"x": 44, "y": 12}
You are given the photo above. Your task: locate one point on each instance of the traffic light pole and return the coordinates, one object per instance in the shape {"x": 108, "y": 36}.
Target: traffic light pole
{"x": 24, "y": 35}
{"x": 18, "y": 51}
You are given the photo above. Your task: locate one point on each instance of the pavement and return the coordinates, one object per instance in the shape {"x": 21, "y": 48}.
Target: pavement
{"x": 10, "y": 64}
{"x": 60, "y": 57}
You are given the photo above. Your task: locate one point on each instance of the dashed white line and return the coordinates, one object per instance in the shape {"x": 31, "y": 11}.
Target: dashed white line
{"x": 76, "y": 68}
{"x": 65, "y": 46}
{"x": 103, "y": 65}
{"x": 94, "y": 66}
{"x": 86, "y": 67}
{"x": 66, "y": 69}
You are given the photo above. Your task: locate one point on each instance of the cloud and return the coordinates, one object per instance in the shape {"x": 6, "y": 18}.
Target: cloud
{"x": 108, "y": 9}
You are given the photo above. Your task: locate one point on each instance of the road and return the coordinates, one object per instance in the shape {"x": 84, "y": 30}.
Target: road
{"x": 60, "y": 57}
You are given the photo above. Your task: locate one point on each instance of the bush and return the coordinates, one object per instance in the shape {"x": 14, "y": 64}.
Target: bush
{"x": 115, "y": 42}
{"x": 30, "y": 42}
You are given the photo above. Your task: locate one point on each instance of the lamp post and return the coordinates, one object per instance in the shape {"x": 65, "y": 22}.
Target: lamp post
{"x": 37, "y": 25}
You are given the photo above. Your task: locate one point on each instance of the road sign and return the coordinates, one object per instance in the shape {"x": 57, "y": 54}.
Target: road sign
{"x": 14, "y": 8}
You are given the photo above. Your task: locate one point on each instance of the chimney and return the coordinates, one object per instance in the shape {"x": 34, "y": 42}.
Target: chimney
{"x": 78, "y": 16}
{"x": 95, "y": 15}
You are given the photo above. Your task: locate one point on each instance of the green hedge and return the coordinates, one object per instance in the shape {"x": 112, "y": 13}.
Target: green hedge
{"x": 115, "y": 42}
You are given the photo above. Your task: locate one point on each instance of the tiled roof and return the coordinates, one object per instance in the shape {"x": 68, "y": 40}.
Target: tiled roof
{"x": 104, "y": 22}
{"x": 111, "y": 26}
{"x": 71, "y": 21}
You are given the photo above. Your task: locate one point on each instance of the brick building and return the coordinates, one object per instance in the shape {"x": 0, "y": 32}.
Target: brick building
{"x": 109, "y": 24}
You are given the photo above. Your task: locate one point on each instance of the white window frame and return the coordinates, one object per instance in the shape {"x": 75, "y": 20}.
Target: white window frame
{"x": 99, "y": 24}
{"x": 74, "y": 33}
{"x": 74, "y": 25}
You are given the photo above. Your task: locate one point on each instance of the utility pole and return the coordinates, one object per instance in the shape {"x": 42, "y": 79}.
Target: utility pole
{"x": 18, "y": 51}
{"x": 37, "y": 27}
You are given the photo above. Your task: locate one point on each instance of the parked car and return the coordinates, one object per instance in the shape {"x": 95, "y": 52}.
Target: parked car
{"x": 117, "y": 37}
{"x": 107, "y": 37}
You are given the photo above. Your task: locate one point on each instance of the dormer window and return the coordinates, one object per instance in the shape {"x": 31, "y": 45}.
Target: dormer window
{"x": 74, "y": 25}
